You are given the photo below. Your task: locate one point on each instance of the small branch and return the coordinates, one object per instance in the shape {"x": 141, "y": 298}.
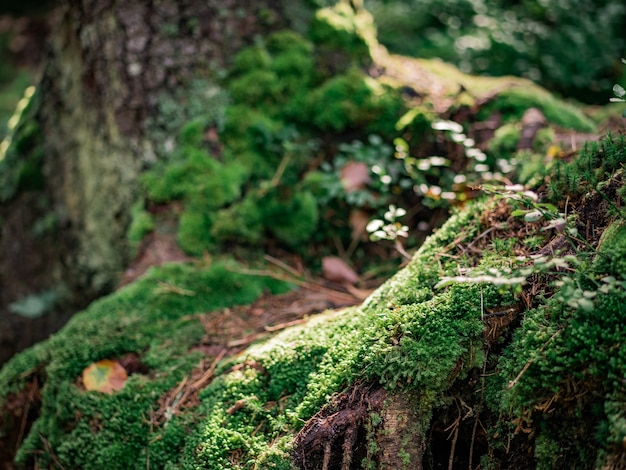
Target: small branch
{"x": 282, "y": 265}
{"x": 282, "y": 326}
{"x": 167, "y": 288}
{"x": 348, "y": 444}
{"x": 477, "y": 411}
{"x": 452, "y": 449}
{"x": 455, "y": 425}
{"x": 326, "y": 455}
{"x": 400, "y": 249}
{"x": 210, "y": 371}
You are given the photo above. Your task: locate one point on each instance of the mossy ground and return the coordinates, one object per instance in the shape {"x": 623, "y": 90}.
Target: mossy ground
{"x": 564, "y": 360}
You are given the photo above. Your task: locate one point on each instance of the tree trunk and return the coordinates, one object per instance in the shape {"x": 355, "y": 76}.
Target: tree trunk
{"x": 63, "y": 239}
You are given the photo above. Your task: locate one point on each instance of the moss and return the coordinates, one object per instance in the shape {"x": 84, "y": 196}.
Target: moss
{"x": 611, "y": 257}
{"x": 257, "y": 87}
{"x": 241, "y": 222}
{"x": 415, "y": 339}
{"x": 288, "y": 41}
{"x": 597, "y": 162}
{"x": 194, "y": 231}
{"x": 408, "y": 335}
{"x": 505, "y": 140}
{"x": 292, "y": 220}
{"x": 270, "y": 74}
{"x": 514, "y": 102}
{"x": 353, "y": 101}
{"x": 342, "y": 28}
{"x": 141, "y": 224}
{"x": 153, "y": 318}
{"x": 251, "y": 59}
{"x": 567, "y": 348}
{"x": 192, "y": 133}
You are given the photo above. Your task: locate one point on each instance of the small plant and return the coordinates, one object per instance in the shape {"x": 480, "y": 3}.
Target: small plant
{"x": 620, "y": 93}
{"x": 389, "y": 228}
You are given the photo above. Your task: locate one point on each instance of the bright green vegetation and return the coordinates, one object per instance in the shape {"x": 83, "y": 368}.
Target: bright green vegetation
{"x": 154, "y": 318}
{"x": 564, "y": 359}
{"x": 286, "y": 117}
{"x": 410, "y": 336}
{"x": 250, "y": 186}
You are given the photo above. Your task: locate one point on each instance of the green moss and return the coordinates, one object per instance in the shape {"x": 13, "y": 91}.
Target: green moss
{"x": 353, "y": 101}
{"x": 408, "y": 335}
{"x": 241, "y": 222}
{"x": 342, "y": 28}
{"x": 505, "y": 140}
{"x": 194, "y": 231}
{"x": 153, "y": 318}
{"x": 291, "y": 219}
{"x": 571, "y": 356}
{"x": 611, "y": 257}
{"x": 257, "y": 87}
{"x": 514, "y": 102}
{"x": 142, "y": 223}
{"x": 597, "y": 162}
{"x": 251, "y": 59}
{"x": 288, "y": 41}
{"x": 192, "y": 133}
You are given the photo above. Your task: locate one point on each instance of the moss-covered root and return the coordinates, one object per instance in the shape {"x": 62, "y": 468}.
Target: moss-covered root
{"x": 365, "y": 425}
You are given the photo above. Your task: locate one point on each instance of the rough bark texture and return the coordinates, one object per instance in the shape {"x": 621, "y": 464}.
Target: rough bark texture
{"x": 109, "y": 63}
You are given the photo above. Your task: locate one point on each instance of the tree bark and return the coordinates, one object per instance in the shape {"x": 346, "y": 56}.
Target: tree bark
{"x": 109, "y": 63}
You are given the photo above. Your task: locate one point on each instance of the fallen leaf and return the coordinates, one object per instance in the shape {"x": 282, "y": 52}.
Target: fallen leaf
{"x": 335, "y": 269}
{"x": 354, "y": 176}
{"x": 358, "y": 221}
{"x": 104, "y": 376}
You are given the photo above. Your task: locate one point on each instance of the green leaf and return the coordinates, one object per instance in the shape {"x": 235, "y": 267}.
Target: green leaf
{"x": 34, "y": 306}
{"x": 585, "y": 304}
{"x": 533, "y": 216}
{"x": 519, "y": 212}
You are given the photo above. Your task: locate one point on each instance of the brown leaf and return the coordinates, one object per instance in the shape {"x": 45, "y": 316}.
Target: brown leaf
{"x": 354, "y": 176}
{"x": 335, "y": 269}
{"x": 358, "y": 221}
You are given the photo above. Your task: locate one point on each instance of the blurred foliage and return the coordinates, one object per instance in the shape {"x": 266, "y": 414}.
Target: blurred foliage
{"x": 568, "y": 46}
{"x": 28, "y": 7}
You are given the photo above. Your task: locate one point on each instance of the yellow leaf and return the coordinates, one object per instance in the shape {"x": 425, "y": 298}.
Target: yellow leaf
{"x": 104, "y": 376}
